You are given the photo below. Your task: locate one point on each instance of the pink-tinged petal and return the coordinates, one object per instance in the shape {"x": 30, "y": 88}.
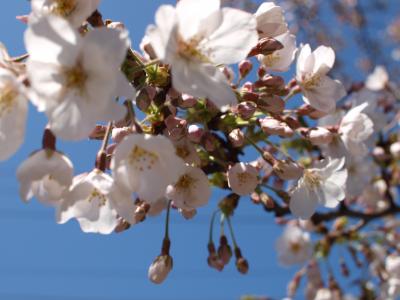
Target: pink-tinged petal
{"x": 305, "y": 61}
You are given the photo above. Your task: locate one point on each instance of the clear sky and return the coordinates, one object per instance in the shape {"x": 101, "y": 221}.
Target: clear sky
{"x": 41, "y": 260}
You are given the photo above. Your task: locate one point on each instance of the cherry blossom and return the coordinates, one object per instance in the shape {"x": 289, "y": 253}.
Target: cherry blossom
{"x": 140, "y": 159}
{"x": 270, "y": 20}
{"x": 13, "y": 113}
{"x": 243, "y": 178}
{"x": 75, "y": 11}
{"x": 324, "y": 184}
{"x": 45, "y": 175}
{"x": 75, "y": 80}
{"x": 88, "y": 201}
{"x": 294, "y": 246}
{"x": 194, "y": 37}
{"x": 319, "y": 90}
{"x": 378, "y": 79}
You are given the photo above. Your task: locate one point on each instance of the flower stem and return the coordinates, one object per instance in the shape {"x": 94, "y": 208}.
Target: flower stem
{"x": 212, "y": 225}
{"x": 145, "y": 65}
{"x": 235, "y": 245}
{"x": 106, "y": 138}
{"x": 166, "y": 236}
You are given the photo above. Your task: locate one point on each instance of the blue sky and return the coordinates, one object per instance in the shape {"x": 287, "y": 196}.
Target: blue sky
{"x": 41, "y": 260}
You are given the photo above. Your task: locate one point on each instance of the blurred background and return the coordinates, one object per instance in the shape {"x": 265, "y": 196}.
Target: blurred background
{"x": 41, "y": 260}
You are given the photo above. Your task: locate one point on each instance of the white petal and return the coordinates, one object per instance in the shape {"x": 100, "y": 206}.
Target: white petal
{"x": 203, "y": 81}
{"x": 324, "y": 60}
{"x": 332, "y": 194}
{"x": 303, "y": 203}
{"x": 233, "y": 39}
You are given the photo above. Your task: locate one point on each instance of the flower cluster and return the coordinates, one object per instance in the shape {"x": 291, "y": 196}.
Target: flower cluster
{"x": 178, "y": 119}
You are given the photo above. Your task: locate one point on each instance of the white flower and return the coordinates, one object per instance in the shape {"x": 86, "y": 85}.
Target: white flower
{"x": 319, "y": 90}
{"x": 378, "y": 79}
{"x": 75, "y": 79}
{"x": 75, "y": 11}
{"x": 45, "y": 175}
{"x": 280, "y": 60}
{"x": 192, "y": 189}
{"x": 194, "y": 38}
{"x": 325, "y": 294}
{"x": 13, "y": 113}
{"x": 392, "y": 285}
{"x": 294, "y": 246}
{"x": 160, "y": 268}
{"x": 270, "y": 20}
{"x": 323, "y": 184}
{"x": 355, "y": 128}
{"x": 88, "y": 200}
{"x": 146, "y": 165}
{"x": 187, "y": 151}
{"x": 243, "y": 178}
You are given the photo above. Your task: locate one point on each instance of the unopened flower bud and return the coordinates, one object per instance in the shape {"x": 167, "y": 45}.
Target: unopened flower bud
{"x": 228, "y": 72}
{"x": 287, "y": 169}
{"x": 160, "y": 268}
{"x": 250, "y": 96}
{"x": 271, "y": 82}
{"x": 195, "y": 133}
{"x": 267, "y": 201}
{"x": 176, "y": 127}
{"x": 266, "y": 46}
{"x": 241, "y": 263}
{"x": 188, "y": 101}
{"x": 248, "y": 87}
{"x": 246, "y": 109}
{"x": 210, "y": 142}
{"x": 271, "y": 104}
{"x": 119, "y": 133}
{"x": 229, "y": 203}
{"x": 272, "y": 126}
{"x": 236, "y": 137}
{"x": 245, "y": 67}
{"x": 224, "y": 250}
{"x": 307, "y": 110}
{"x": 143, "y": 100}
{"x": 320, "y": 136}
{"x": 395, "y": 149}
{"x": 213, "y": 259}
{"x": 98, "y": 132}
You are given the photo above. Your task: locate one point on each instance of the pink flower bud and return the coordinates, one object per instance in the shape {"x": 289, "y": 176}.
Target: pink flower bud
{"x": 195, "y": 133}
{"x": 245, "y": 67}
{"x": 271, "y": 104}
{"x": 210, "y": 142}
{"x": 320, "y": 136}
{"x": 160, "y": 268}
{"x": 176, "y": 127}
{"x": 188, "y": 101}
{"x": 248, "y": 87}
{"x": 272, "y": 126}
{"x": 249, "y": 96}
{"x": 287, "y": 170}
{"x": 98, "y": 132}
{"x": 245, "y": 109}
{"x": 236, "y": 137}
{"x": 228, "y": 72}
{"x": 224, "y": 250}
{"x": 119, "y": 133}
{"x": 188, "y": 213}
{"x": 379, "y": 153}
{"x": 143, "y": 100}
{"x": 213, "y": 259}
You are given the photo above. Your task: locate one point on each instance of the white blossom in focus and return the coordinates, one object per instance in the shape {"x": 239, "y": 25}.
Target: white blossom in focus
{"x": 243, "y": 178}
{"x": 280, "y": 60}
{"x": 378, "y": 79}
{"x": 45, "y": 175}
{"x": 13, "y": 113}
{"x": 191, "y": 191}
{"x": 146, "y": 165}
{"x": 196, "y": 36}
{"x": 319, "y": 90}
{"x": 88, "y": 201}
{"x": 270, "y": 20}
{"x": 294, "y": 246}
{"x": 75, "y": 80}
{"x": 75, "y": 11}
{"x": 324, "y": 184}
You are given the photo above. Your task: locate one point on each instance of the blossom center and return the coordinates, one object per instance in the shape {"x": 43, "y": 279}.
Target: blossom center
{"x": 312, "y": 179}
{"x": 185, "y": 182}
{"x": 243, "y": 178}
{"x": 96, "y": 194}
{"x": 182, "y": 151}
{"x": 312, "y": 82}
{"x": 63, "y": 8}
{"x": 75, "y": 78}
{"x": 189, "y": 49}
{"x": 8, "y": 94}
{"x": 270, "y": 59}
{"x": 295, "y": 247}
{"x": 141, "y": 159}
